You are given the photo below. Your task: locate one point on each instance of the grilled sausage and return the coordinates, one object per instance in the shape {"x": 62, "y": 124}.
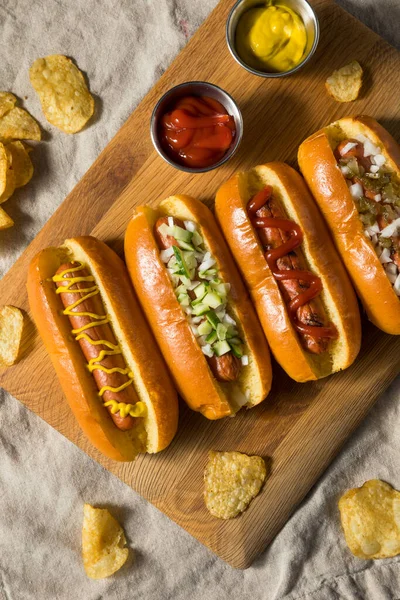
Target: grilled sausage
{"x": 313, "y": 312}
{"x": 103, "y": 332}
{"x": 227, "y": 366}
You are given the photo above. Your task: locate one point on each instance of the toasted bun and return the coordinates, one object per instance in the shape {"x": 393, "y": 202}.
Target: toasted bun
{"x": 151, "y": 378}
{"x": 328, "y": 185}
{"x": 321, "y": 258}
{"x": 178, "y": 344}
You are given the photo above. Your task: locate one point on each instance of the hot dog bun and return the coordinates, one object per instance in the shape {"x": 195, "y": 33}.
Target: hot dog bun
{"x": 178, "y": 344}
{"x": 151, "y": 379}
{"x": 328, "y": 185}
{"x": 321, "y": 258}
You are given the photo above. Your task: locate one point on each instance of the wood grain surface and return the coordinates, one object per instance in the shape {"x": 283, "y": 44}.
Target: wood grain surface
{"x": 300, "y": 427}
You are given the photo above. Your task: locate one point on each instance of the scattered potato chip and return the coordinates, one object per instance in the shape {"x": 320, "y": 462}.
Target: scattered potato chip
{"x": 103, "y": 542}
{"x": 7, "y": 102}
{"x": 345, "y": 83}
{"x": 20, "y": 162}
{"x": 18, "y": 124}
{"x": 5, "y": 220}
{"x": 232, "y": 480}
{"x": 7, "y": 177}
{"x": 65, "y": 98}
{"x": 11, "y": 325}
{"x": 371, "y": 520}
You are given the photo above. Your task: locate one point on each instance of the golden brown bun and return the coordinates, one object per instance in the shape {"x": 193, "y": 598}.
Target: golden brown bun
{"x": 328, "y": 185}
{"x": 183, "y": 355}
{"x": 151, "y": 379}
{"x": 337, "y": 296}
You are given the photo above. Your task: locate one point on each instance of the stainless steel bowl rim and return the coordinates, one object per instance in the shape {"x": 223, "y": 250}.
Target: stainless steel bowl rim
{"x": 266, "y": 74}
{"x": 238, "y": 124}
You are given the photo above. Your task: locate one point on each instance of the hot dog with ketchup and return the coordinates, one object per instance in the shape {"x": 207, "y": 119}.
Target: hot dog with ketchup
{"x": 109, "y": 366}
{"x": 353, "y": 170}
{"x": 300, "y": 289}
{"x": 197, "y": 306}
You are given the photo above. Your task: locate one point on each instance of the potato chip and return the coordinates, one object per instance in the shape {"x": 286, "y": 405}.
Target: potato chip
{"x": 18, "y": 124}
{"x": 371, "y": 520}
{"x": 65, "y": 98}
{"x": 11, "y": 325}
{"x": 7, "y": 177}
{"x": 232, "y": 480}
{"x": 7, "y": 102}
{"x": 20, "y": 162}
{"x": 344, "y": 84}
{"x": 103, "y": 542}
{"x": 5, "y": 220}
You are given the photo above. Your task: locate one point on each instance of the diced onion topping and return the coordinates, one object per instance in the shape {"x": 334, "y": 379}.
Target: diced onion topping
{"x": 348, "y": 147}
{"x": 356, "y": 190}
{"x": 391, "y": 229}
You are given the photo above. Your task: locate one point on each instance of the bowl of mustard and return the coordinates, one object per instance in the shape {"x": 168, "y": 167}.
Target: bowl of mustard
{"x": 272, "y": 38}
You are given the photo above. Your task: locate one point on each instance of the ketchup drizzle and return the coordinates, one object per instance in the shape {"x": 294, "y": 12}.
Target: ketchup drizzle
{"x": 271, "y": 256}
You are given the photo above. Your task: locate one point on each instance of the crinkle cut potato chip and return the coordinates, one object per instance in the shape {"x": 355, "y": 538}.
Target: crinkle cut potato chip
{"x": 5, "y": 220}
{"x": 11, "y": 326}
{"x": 7, "y": 175}
{"x": 344, "y": 84}
{"x": 65, "y": 98}
{"x": 232, "y": 480}
{"x": 17, "y": 124}
{"x": 103, "y": 542}
{"x": 371, "y": 520}
{"x": 7, "y": 102}
{"x": 20, "y": 162}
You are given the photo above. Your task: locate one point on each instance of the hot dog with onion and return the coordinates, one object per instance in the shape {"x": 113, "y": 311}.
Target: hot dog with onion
{"x": 197, "y": 306}
{"x": 300, "y": 289}
{"x": 352, "y": 167}
{"x": 109, "y": 366}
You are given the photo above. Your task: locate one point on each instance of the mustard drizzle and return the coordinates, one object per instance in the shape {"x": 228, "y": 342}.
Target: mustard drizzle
{"x": 124, "y": 409}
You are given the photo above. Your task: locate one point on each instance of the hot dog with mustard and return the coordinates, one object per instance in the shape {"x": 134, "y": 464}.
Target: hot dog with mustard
{"x": 109, "y": 366}
{"x": 300, "y": 289}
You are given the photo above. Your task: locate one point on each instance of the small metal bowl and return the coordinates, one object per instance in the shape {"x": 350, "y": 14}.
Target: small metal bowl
{"x": 195, "y": 88}
{"x": 301, "y": 7}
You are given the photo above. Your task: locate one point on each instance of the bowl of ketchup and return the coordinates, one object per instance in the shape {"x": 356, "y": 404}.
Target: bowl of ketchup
{"x": 196, "y": 126}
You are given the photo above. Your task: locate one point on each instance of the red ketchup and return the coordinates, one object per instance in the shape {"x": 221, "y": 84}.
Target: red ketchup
{"x": 197, "y": 131}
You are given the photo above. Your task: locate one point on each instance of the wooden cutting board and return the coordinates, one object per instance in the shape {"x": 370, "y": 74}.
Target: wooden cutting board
{"x": 300, "y": 427}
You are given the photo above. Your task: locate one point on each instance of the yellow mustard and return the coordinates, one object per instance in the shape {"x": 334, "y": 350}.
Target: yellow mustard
{"x": 134, "y": 410}
{"x": 271, "y": 38}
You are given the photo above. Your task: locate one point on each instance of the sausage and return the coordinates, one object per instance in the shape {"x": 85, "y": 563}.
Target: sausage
{"x": 313, "y": 312}
{"x": 100, "y": 332}
{"x": 227, "y": 366}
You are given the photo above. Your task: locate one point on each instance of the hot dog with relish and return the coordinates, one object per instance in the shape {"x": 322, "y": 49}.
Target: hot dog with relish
{"x": 300, "y": 289}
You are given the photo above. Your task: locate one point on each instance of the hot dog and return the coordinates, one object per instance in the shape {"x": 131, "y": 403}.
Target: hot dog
{"x": 197, "y": 306}
{"x": 300, "y": 289}
{"x": 108, "y": 364}
{"x": 353, "y": 170}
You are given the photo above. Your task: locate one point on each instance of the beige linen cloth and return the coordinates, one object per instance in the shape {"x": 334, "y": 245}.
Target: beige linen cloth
{"x": 124, "y": 46}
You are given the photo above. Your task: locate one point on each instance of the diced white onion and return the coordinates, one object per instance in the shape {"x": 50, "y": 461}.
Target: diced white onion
{"x": 349, "y": 146}
{"x": 166, "y": 254}
{"x": 170, "y": 221}
{"x": 193, "y": 285}
{"x": 345, "y": 170}
{"x": 367, "y": 234}
{"x": 207, "y": 264}
{"x": 373, "y": 229}
{"x": 190, "y": 226}
{"x": 385, "y": 256}
{"x": 391, "y": 229}
{"x": 197, "y": 320}
{"x": 374, "y": 239}
{"x": 207, "y": 350}
{"x": 370, "y": 148}
{"x": 391, "y": 268}
{"x": 360, "y": 137}
{"x": 379, "y": 160}
{"x": 245, "y": 360}
{"x": 356, "y": 190}
{"x": 378, "y": 197}
{"x": 228, "y": 319}
{"x": 374, "y": 168}
{"x": 194, "y": 330}
{"x": 397, "y": 285}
